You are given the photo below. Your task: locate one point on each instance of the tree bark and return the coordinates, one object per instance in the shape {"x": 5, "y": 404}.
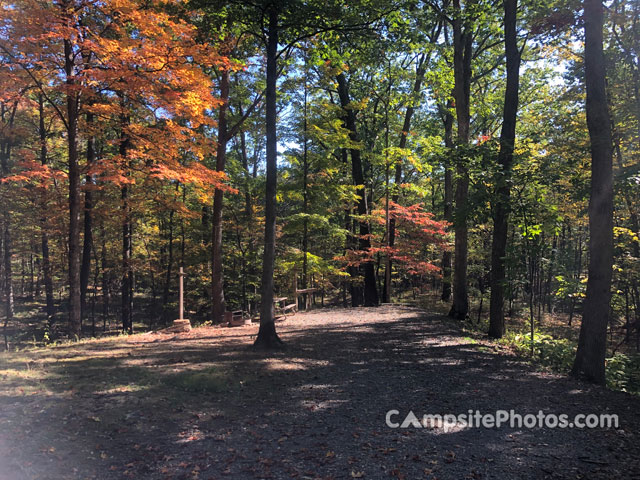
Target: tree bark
{"x": 7, "y": 253}
{"x": 75, "y": 316}
{"x": 448, "y": 202}
{"x": 127, "y": 273}
{"x": 248, "y": 217}
{"x": 503, "y": 182}
{"x": 105, "y": 278}
{"x": 8, "y": 279}
{"x": 218, "y": 306}
{"x": 364, "y": 244}
{"x": 267, "y": 336}
{"x": 46, "y": 260}
{"x": 590, "y": 356}
{"x": 462, "y": 53}
{"x": 85, "y": 268}
{"x": 305, "y": 188}
{"x": 167, "y": 280}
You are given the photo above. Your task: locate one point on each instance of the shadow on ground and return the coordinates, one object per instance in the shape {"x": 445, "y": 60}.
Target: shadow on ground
{"x": 205, "y": 406}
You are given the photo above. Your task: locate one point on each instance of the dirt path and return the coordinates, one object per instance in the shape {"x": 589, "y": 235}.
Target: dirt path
{"x": 203, "y": 406}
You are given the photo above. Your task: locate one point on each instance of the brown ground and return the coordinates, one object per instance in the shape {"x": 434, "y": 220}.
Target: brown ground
{"x": 204, "y": 406}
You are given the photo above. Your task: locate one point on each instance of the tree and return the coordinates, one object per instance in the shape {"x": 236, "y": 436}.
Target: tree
{"x": 217, "y": 297}
{"x": 72, "y": 115}
{"x": 419, "y": 237}
{"x": 364, "y": 242}
{"x": 58, "y": 29}
{"x": 46, "y": 260}
{"x": 225, "y": 134}
{"x": 8, "y": 109}
{"x": 267, "y": 336}
{"x": 303, "y": 21}
{"x": 462, "y": 55}
{"x": 374, "y": 118}
{"x": 592, "y": 343}
{"x": 505, "y": 160}
{"x": 155, "y": 73}
{"x": 447, "y": 120}
{"x": 432, "y": 36}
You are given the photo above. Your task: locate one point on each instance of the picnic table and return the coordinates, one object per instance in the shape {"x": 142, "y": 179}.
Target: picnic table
{"x": 281, "y": 308}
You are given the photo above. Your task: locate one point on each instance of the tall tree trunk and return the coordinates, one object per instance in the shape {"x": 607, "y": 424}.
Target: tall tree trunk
{"x": 22, "y": 275}
{"x": 168, "y": 276}
{"x": 357, "y": 289}
{"x": 31, "y": 277}
{"x": 248, "y": 204}
{"x": 126, "y": 262}
{"x": 127, "y": 273}
{"x": 248, "y": 217}
{"x": 85, "y": 268}
{"x": 217, "y": 287}
{"x": 75, "y": 315}
{"x": 96, "y": 276}
{"x": 8, "y": 278}
{"x": 550, "y": 272}
{"x": 8, "y": 116}
{"x": 505, "y": 159}
{"x": 592, "y": 343}
{"x": 350, "y": 244}
{"x": 7, "y": 253}
{"x": 364, "y": 244}
{"x": 267, "y": 336}
{"x": 305, "y": 187}
{"x": 462, "y": 53}
{"x": 386, "y": 287}
{"x": 46, "y": 260}
{"x": 448, "y": 201}
{"x": 421, "y": 70}
{"x": 105, "y": 278}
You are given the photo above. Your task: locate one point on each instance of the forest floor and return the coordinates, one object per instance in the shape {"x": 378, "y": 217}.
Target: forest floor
{"x": 203, "y": 405}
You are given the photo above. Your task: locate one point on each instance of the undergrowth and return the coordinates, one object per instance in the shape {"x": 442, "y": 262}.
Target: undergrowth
{"x": 557, "y": 354}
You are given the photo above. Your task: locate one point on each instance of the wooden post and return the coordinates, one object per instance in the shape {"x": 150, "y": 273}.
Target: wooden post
{"x": 295, "y": 286}
{"x": 181, "y": 283}
{"x": 181, "y": 324}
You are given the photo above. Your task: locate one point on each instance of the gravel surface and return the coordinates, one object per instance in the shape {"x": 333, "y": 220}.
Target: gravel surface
{"x": 203, "y": 405}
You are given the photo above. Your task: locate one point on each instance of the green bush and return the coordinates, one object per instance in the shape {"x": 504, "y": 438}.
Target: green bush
{"x": 557, "y": 354}
{"x": 623, "y": 373}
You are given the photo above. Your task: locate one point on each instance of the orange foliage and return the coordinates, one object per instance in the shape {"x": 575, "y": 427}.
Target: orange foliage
{"x": 415, "y": 231}
{"x": 132, "y": 60}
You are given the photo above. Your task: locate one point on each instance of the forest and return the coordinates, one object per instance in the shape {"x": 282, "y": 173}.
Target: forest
{"x": 366, "y": 187}
{"x": 364, "y": 152}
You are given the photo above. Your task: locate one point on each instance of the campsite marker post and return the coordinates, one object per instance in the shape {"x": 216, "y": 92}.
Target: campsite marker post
{"x": 181, "y": 324}
{"x": 181, "y": 274}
